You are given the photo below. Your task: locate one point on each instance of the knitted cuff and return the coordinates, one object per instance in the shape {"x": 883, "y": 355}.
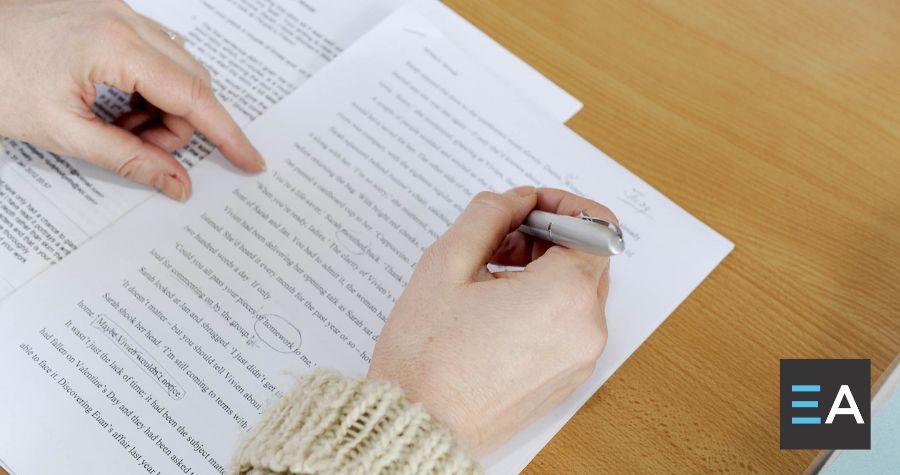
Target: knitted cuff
{"x": 330, "y": 424}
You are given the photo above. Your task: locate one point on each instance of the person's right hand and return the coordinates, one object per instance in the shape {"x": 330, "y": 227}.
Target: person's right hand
{"x": 488, "y": 353}
{"x": 55, "y": 52}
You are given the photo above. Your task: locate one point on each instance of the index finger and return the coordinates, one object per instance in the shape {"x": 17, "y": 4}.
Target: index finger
{"x": 563, "y": 202}
{"x": 519, "y": 249}
{"x": 174, "y": 89}
{"x": 569, "y": 204}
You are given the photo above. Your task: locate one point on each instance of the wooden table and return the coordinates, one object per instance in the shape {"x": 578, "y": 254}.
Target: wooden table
{"x": 778, "y": 124}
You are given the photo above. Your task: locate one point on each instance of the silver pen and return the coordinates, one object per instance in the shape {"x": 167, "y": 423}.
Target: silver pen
{"x": 584, "y": 233}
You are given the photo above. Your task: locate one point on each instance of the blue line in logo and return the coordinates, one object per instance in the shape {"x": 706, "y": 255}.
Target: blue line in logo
{"x": 804, "y": 403}
{"x": 805, "y": 388}
{"x": 806, "y": 420}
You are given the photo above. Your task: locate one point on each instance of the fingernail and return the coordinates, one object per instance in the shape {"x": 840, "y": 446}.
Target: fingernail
{"x": 183, "y": 197}
{"x": 260, "y": 163}
{"x": 524, "y": 191}
{"x": 173, "y": 188}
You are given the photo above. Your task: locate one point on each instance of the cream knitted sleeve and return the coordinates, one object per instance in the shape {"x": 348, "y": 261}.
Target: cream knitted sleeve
{"x": 330, "y": 424}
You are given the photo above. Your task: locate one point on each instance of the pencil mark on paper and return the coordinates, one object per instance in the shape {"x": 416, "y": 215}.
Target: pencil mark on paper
{"x": 636, "y": 200}
{"x": 414, "y": 32}
{"x": 138, "y": 355}
{"x": 350, "y": 240}
{"x": 278, "y": 333}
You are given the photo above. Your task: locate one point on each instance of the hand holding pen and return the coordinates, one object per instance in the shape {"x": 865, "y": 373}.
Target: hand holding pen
{"x": 443, "y": 338}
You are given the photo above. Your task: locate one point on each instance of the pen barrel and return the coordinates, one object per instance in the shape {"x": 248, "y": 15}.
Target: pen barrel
{"x": 573, "y": 233}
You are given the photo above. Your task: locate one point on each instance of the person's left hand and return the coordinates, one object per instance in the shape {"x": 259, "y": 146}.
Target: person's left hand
{"x": 53, "y": 53}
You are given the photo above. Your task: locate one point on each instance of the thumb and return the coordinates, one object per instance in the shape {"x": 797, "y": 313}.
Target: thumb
{"x": 120, "y": 151}
{"x": 479, "y": 231}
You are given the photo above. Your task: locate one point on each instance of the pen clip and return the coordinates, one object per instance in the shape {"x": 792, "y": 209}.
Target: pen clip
{"x": 608, "y": 224}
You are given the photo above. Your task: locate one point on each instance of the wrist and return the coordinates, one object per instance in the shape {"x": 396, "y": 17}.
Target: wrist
{"x": 331, "y": 424}
{"x": 446, "y": 405}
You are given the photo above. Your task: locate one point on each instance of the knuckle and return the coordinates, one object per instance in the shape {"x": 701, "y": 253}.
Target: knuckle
{"x": 132, "y": 168}
{"x": 128, "y": 168}
{"x": 119, "y": 6}
{"x": 201, "y": 90}
{"x": 490, "y": 200}
{"x": 112, "y": 30}
{"x": 111, "y": 40}
{"x": 485, "y": 197}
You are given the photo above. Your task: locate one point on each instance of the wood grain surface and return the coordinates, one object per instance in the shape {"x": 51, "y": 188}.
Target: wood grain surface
{"x": 778, "y": 124}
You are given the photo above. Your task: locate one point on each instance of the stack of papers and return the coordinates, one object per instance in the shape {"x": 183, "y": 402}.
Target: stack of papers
{"x": 160, "y": 341}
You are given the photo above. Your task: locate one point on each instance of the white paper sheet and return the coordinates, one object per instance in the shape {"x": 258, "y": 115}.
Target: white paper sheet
{"x": 258, "y": 52}
{"x": 188, "y": 319}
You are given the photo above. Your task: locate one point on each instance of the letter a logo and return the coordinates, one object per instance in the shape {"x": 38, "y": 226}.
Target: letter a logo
{"x": 825, "y": 404}
{"x": 844, "y": 393}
